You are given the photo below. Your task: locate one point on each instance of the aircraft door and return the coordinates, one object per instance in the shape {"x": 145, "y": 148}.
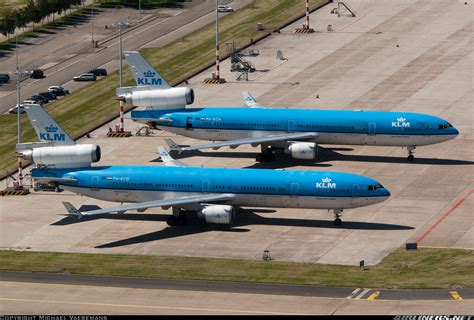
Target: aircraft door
{"x": 294, "y": 190}
{"x": 355, "y": 192}
{"x": 372, "y": 127}
{"x": 205, "y": 186}
{"x": 95, "y": 182}
{"x": 291, "y": 125}
{"x": 189, "y": 122}
{"x": 427, "y": 131}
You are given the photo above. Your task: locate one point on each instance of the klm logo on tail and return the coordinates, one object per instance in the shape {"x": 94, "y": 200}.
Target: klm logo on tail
{"x": 149, "y": 79}
{"x": 51, "y": 135}
{"x": 326, "y": 184}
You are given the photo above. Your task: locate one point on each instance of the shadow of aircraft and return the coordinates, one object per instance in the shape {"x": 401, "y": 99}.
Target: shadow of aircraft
{"x": 326, "y": 154}
{"x": 243, "y": 218}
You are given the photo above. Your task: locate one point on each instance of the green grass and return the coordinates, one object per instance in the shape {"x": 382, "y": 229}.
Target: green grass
{"x": 95, "y": 104}
{"x": 425, "y": 268}
{"x": 6, "y": 4}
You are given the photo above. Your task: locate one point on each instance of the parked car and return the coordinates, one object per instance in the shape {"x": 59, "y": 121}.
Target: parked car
{"x": 39, "y": 98}
{"x": 85, "y": 77}
{"x": 37, "y": 74}
{"x": 58, "y": 90}
{"x": 98, "y": 71}
{"x": 223, "y": 8}
{"x": 48, "y": 95}
{"x": 14, "y": 110}
{"x": 32, "y": 102}
{"x": 4, "y": 78}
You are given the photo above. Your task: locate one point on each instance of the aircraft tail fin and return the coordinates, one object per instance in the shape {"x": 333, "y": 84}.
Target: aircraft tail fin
{"x": 46, "y": 128}
{"x": 143, "y": 72}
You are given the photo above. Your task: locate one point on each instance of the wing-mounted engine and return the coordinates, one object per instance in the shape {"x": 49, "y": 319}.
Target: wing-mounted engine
{"x": 218, "y": 214}
{"x": 147, "y": 97}
{"x": 302, "y": 150}
{"x": 80, "y": 155}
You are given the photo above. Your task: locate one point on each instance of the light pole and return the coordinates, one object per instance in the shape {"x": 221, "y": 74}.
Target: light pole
{"x": 18, "y": 73}
{"x": 139, "y": 10}
{"x": 92, "y": 24}
{"x": 120, "y": 25}
{"x": 217, "y": 41}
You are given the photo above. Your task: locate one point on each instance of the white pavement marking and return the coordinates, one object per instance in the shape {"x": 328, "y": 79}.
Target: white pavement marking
{"x": 148, "y": 307}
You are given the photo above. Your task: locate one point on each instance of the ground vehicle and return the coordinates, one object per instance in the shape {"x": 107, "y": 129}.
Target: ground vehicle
{"x": 39, "y": 98}
{"x": 29, "y": 101}
{"x": 4, "y": 78}
{"x": 58, "y": 90}
{"x": 224, "y": 8}
{"x": 85, "y": 77}
{"x": 37, "y": 74}
{"x": 14, "y": 110}
{"x": 48, "y": 95}
{"x": 98, "y": 71}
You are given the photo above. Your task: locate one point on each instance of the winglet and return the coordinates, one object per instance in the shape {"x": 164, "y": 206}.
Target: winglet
{"x": 71, "y": 210}
{"x": 168, "y": 160}
{"x": 173, "y": 145}
{"x": 250, "y": 101}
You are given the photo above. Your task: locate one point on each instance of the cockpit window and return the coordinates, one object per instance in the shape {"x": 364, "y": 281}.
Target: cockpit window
{"x": 445, "y": 126}
{"x": 375, "y": 187}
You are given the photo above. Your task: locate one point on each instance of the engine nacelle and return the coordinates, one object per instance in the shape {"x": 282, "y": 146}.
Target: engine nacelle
{"x": 160, "y": 98}
{"x": 217, "y": 214}
{"x": 64, "y": 157}
{"x": 302, "y": 150}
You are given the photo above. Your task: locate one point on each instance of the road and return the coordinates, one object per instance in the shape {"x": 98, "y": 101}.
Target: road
{"x": 60, "y": 293}
{"x": 132, "y": 40}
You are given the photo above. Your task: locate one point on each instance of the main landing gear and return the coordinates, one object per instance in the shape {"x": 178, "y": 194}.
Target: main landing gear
{"x": 267, "y": 154}
{"x": 411, "y": 157}
{"x": 337, "y": 217}
{"x": 178, "y": 218}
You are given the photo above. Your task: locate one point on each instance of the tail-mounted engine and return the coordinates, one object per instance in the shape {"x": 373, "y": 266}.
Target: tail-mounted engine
{"x": 80, "y": 155}
{"x": 157, "y": 98}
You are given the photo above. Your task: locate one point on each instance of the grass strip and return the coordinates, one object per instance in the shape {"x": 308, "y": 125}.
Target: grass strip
{"x": 425, "y": 268}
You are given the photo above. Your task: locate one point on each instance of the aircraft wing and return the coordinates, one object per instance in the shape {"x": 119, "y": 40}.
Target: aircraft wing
{"x": 250, "y": 101}
{"x": 205, "y": 198}
{"x": 252, "y": 141}
{"x": 168, "y": 160}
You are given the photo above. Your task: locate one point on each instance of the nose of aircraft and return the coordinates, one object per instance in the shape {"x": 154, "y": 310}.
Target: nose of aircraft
{"x": 384, "y": 192}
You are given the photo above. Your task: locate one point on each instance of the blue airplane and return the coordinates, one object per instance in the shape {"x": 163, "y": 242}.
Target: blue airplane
{"x": 211, "y": 193}
{"x": 296, "y": 132}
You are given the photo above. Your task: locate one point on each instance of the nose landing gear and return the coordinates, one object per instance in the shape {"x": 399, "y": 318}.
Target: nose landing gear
{"x": 411, "y": 157}
{"x": 337, "y": 217}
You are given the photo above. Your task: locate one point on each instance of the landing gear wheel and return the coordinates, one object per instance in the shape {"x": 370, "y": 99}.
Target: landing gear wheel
{"x": 265, "y": 157}
{"x": 181, "y": 220}
{"x": 411, "y": 158}
{"x": 172, "y": 221}
{"x": 337, "y": 221}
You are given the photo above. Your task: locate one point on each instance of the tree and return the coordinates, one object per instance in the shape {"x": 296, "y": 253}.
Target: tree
{"x": 8, "y": 18}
